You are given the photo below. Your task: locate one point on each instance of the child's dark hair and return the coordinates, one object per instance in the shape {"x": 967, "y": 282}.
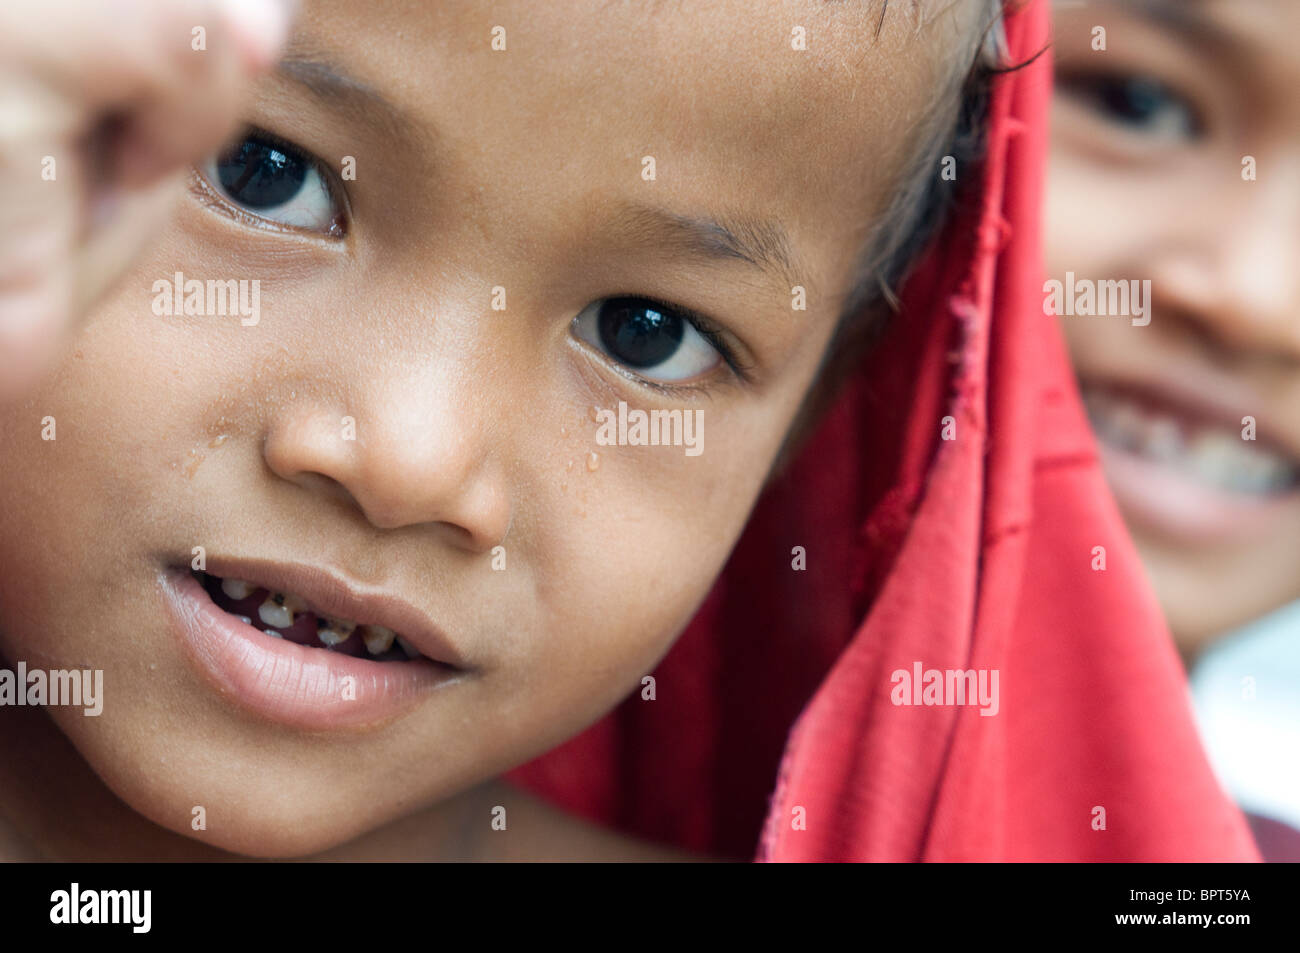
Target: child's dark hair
{"x": 922, "y": 202}
{"x": 911, "y": 220}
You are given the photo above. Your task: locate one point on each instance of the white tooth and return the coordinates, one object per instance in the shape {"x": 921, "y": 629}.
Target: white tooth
{"x": 273, "y": 613}
{"x": 244, "y": 619}
{"x": 377, "y": 638}
{"x": 273, "y": 634}
{"x": 1222, "y": 460}
{"x": 1163, "y": 440}
{"x": 1254, "y": 474}
{"x": 237, "y": 588}
{"x": 1245, "y": 469}
{"x": 408, "y": 648}
{"x": 334, "y": 631}
{"x": 1212, "y": 457}
{"x": 1127, "y": 425}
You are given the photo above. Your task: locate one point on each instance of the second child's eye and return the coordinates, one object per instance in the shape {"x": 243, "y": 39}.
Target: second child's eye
{"x": 272, "y": 180}
{"x": 653, "y": 341}
{"x": 1145, "y": 105}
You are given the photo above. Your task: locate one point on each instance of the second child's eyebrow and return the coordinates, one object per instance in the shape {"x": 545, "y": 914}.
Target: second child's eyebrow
{"x": 1190, "y": 19}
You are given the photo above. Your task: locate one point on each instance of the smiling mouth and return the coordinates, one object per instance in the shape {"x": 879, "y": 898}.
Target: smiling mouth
{"x": 1207, "y": 452}
{"x": 284, "y": 615}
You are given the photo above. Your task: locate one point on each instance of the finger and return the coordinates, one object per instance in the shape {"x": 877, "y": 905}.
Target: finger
{"x": 42, "y": 200}
{"x": 203, "y": 74}
{"x": 127, "y": 231}
{"x": 170, "y": 75}
{"x": 108, "y": 53}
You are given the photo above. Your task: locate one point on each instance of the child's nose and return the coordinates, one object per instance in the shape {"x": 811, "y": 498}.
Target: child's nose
{"x": 400, "y": 461}
{"x": 1236, "y": 274}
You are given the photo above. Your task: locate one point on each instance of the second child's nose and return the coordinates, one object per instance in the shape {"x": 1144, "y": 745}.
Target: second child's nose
{"x": 1238, "y": 277}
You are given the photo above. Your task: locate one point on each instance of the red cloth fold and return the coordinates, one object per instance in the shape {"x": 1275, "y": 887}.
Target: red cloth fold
{"x": 775, "y": 733}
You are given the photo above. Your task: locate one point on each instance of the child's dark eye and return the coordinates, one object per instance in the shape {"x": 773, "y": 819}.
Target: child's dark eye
{"x": 276, "y": 181}
{"x": 654, "y": 341}
{"x": 1143, "y": 104}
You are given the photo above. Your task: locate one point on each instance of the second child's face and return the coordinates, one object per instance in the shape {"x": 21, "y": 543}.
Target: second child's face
{"x": 462, "y": 253}
{"x": 1150, "y": 143}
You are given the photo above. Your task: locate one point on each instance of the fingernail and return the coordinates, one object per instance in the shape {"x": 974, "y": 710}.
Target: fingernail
{"x": 262, "y": 27}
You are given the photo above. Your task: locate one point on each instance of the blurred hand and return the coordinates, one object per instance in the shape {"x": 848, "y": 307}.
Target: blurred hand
{"x": 103, "y": 107}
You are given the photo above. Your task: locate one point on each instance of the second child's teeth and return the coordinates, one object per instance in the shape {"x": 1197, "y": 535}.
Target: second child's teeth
{"x": 408, "y": 648}
{"x": 377, "y": 638}
{"x": 1214, "y": 455}
{"x": 1163, "y": 440}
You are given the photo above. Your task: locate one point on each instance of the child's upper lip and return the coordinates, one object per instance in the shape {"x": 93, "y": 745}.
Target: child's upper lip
{"x": 332, "y": 593}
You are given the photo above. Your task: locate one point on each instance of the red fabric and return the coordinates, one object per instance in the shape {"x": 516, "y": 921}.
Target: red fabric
{"x": 971, "y": 553}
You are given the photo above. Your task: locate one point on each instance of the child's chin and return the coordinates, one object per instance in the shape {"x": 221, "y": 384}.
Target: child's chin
{"x": 250, "y": 813}
{"x": 274, "y": 834}
{"x": 277, "y": 844}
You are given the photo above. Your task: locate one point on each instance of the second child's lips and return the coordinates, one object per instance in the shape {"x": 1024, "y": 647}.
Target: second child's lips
{"x": 1193, "y": 391}
{"x": 1173, "y": 461}
{"x": 334, "y": 594}
{"x": 1152, "y": 495}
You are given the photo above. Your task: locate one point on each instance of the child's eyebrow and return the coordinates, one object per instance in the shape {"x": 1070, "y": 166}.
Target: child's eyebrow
{"x": 332, "y": 84}
{"x": 761, "y": 243}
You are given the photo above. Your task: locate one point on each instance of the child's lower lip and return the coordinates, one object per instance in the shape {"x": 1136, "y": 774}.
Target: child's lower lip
{"x": 292, "y": 684}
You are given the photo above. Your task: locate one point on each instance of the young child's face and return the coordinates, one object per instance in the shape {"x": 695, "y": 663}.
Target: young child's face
{"x": 1147, "y": 182}
{"x": 384, "y": 428}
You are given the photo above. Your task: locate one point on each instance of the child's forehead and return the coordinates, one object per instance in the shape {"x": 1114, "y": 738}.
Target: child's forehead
{"x": 660, "y": 63}
{"x": 805, "y": 103}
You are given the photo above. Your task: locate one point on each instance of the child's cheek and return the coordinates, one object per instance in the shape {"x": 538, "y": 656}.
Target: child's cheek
{"x": 81, "y": 475}
{"x": 634, "y": 541}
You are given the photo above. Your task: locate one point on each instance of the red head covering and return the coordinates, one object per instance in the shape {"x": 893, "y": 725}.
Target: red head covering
{"x": 773, "y": 729}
